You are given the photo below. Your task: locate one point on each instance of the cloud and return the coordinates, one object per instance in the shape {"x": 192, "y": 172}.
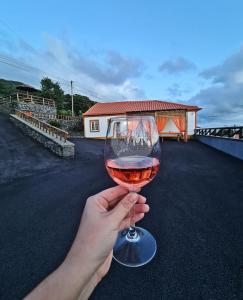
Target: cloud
{"x": 117, "y": 68}
{"x": 175, "y": 90}
{"x": 107, "y": 76}
{"x": 27, "y": 47}
{"x": 222, "y": 102}
{"x": 229, "y": 72}
{"x": 177, "y": 65}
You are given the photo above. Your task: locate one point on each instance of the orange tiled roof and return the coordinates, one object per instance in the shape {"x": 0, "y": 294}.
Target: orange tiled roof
{"x": 113, "y": 108}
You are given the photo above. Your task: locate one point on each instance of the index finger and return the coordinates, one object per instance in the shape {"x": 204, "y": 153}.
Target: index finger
{"x": 113, "y": 193}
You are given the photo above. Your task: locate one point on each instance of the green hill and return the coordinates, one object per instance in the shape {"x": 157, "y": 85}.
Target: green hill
{"x": 81, "y": 103}
{"x": 8, "y": 87}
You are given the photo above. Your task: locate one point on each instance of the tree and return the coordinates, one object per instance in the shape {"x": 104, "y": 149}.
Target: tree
{"x": 52, "y": 90}
{"x": 80, "y": 103}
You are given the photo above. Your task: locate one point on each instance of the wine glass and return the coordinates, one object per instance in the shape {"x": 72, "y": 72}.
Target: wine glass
{"x": 132, "y": 159}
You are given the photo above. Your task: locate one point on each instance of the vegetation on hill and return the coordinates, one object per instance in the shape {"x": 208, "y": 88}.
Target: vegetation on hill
{"x": 52, "y": 90}
{"x": 8, "y": 87}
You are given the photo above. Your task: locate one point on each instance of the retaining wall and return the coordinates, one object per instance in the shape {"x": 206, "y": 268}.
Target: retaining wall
{"x": 60, "y": 147}
{"x": 36, "y": 108}
{"x": 70, "y": 124}
{"x": 7, "y": 107}
{"x": 230, "y": 146}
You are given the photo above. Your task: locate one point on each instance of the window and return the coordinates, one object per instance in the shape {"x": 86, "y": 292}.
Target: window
{"x": 94, "y": 125}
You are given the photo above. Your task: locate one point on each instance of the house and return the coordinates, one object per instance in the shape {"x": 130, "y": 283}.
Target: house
{"x": 172, "y": 119}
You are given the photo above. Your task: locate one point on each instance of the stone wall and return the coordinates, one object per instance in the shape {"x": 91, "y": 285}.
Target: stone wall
{"x": 61, "y": 148}
{"x": 36, "y": 108}
{"x": 69, "y": 125}
{"x": 7, "y": 107}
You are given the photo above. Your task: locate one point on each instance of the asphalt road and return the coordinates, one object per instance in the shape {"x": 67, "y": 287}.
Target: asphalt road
{"x": 196, "y": 216}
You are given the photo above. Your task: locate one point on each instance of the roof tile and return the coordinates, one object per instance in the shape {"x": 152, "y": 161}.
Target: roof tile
{"x": 113, "y": 108}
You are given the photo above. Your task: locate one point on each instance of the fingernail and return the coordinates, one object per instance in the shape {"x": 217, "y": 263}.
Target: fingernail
{"x": 147, "y": 208}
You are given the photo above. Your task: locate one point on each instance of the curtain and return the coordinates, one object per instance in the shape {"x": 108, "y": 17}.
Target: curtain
{"x": 161, "y": 122}
{"x": 180, "y": 123}
{"x": 132, "y": 125}
{"x": 147, "y": 126}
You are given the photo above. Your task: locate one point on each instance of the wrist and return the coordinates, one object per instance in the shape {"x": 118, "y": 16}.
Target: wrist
{"x": 78, "y": 266}
{"x": 79, "y": 261}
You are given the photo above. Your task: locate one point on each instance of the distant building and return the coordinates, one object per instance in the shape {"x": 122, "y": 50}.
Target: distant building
{"x": 172, "y": 119}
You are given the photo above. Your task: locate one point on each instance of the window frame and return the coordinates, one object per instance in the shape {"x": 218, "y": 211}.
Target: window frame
{"x": 97, "y": 121}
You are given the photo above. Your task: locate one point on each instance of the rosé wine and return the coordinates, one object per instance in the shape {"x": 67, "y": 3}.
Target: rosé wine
{"x": 132, "y": 170}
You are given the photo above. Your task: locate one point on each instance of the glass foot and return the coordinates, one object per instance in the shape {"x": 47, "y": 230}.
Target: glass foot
{"x": 134, "y": 248}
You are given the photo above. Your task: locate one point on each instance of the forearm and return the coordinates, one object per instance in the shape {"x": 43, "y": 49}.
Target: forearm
{"x": 74, "y": 279}
{"x": 65, "y": 283}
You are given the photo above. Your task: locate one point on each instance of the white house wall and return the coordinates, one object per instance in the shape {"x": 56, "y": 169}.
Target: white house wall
{"x": 103, "y": 122}
{"x": 191, "y": 122}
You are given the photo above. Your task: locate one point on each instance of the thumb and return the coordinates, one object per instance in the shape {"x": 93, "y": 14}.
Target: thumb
{"x": 123, "y": 207}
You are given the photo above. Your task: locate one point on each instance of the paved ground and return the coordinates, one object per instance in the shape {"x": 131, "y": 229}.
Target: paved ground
{"x": 196, "y": 216}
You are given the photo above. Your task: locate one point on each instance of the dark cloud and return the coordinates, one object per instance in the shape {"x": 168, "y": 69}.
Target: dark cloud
{"x": 177, "y": 65}
{"x": 221, "y": 105}
{"x": 222, "y": 102}
{"x": 229, "y": 72}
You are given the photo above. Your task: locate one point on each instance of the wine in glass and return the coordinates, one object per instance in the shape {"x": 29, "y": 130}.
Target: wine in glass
{"x": 132, "y": 159}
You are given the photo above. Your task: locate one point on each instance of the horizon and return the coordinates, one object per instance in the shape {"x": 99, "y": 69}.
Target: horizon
{"x": 123, "y": 51}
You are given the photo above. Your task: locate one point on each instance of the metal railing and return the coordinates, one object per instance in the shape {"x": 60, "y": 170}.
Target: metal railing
{"x": 45, "y": 127}
{"x": 235, "y": 132}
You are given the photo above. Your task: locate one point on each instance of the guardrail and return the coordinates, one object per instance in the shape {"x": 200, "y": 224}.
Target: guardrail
{"x": 52, "y": 130}
{"x": 235, "y": 132}
{"x": 4, "y": 100}
{"x": 59, "y": 117}
{"x": 22, "y": 97}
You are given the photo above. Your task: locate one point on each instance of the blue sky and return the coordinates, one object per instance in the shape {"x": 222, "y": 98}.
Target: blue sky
{"x": 185, "y": 51}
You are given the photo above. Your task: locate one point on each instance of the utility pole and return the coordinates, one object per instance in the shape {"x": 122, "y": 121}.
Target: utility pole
{"x": 72, "y": 96}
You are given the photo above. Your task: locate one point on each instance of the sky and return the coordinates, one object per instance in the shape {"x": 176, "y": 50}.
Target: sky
{"x": 182, "y": 51}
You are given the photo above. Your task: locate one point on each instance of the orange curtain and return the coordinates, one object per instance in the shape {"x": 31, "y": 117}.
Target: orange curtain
{"x": 180, "y": 123}
{"x": 161, "y": 122}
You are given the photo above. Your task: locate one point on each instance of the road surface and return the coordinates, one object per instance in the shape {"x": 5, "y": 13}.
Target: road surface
{"x": 196, "y": 217}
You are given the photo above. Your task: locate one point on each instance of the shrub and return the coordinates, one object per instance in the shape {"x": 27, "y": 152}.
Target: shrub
{"x": 54, "y": 123}
{"x": 64, "y": 112}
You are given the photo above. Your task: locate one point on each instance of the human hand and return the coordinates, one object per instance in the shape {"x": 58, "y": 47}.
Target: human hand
{"x": 105, "y": 214}
{"x": 90, "y": 256}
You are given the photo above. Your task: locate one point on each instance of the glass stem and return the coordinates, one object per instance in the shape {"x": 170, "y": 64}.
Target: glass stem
{"x": 132, "y": 233}
{"x": 131, "y": 214}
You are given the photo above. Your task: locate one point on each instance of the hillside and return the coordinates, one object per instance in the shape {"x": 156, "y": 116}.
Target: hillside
{"x": 8, "y": 87}
{"x": 81, "y": 103}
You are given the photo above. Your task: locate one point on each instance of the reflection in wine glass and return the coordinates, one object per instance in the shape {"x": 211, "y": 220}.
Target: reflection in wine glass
{"x": 132, "y": 159}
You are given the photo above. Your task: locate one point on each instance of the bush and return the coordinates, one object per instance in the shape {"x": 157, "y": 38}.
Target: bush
{"x": 54, "y": 123}
{"x": 64, "y": 112}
